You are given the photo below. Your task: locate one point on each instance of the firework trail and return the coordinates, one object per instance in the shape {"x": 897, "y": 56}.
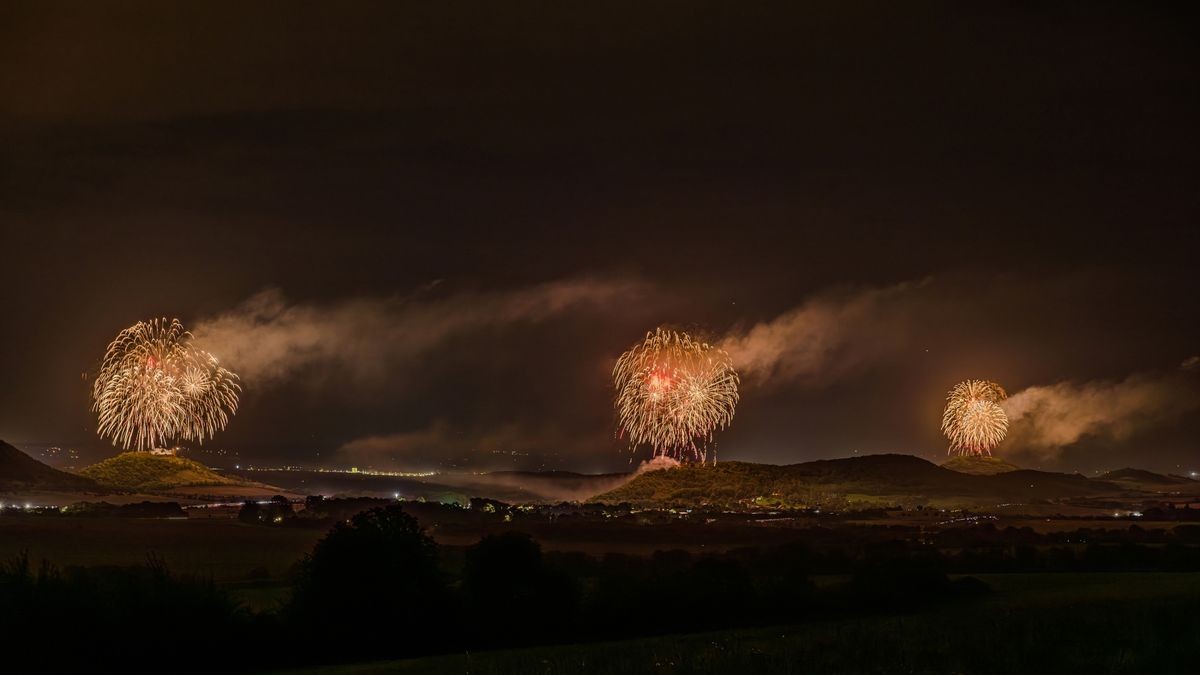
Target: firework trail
{"x": 973, "y": 420}
{"x": 155, "y": 387}
{"x": 672, "y": 393}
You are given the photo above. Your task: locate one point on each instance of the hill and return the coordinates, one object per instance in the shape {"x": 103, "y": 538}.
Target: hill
{"x": 1143, "y": 476}
{"x": 1147, "y": 480}
{"x": 979, "y": 466}
{"x": 515, "y": 487}
{"x": 143, "y": 472}
{"x": 857, "y": 482}
{"x": 20, "y": 471}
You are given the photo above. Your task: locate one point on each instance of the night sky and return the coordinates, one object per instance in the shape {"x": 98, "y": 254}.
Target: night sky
{"x": 440, "y": 225}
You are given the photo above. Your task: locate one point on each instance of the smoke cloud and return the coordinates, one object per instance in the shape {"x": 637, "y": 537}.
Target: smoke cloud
{"x": 657, "y": 463}
{"x": 267, "y": 338}
{"x": 442, "y": 446}
{"x": 829, "y": 336}
{"x": 1043, "y": 420}
{"x": 461, "y": 454}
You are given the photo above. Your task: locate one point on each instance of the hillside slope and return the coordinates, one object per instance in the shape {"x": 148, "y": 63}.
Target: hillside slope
{"x": 1143, "y": 478}
{"x": 979, "y": 466}
{"x": 857, "y": 482}
{"x": 20, "y": 471}
{"x": 143, "y": 472}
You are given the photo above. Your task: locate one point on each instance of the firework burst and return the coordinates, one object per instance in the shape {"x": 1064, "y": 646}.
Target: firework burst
{"x": 973, "y": 420}
{"x": 673, "y": 393}
{"x": 155, "y": 387}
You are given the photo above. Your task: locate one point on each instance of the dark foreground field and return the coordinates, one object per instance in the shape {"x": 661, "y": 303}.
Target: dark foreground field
{"x": 1032, "y": 623}
{"x": 218, "y": 548}
{"x": 347, "y": 584}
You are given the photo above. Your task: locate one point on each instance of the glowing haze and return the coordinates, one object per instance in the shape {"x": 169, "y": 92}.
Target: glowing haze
{"x": 831, "y": 335}
{"x": 347, "y": 156}
{"x": 269, "y": 339}
{"x": 1045, "y": 419}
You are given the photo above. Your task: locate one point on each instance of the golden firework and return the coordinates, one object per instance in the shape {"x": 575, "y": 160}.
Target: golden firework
{"x": 973, "y": 420}
{"x": 673, "y": 393}
{"x": 155, "y": 387}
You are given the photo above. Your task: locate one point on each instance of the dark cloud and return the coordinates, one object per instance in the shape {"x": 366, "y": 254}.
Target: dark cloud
{"x": 778, "y": 178}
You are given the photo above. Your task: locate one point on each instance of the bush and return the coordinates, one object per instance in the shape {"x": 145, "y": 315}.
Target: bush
{"x": 274, "y": 512}
{"x": 900, "y": 583}
{"x": 374, "y": 582}
{"x": 512, "y": 596}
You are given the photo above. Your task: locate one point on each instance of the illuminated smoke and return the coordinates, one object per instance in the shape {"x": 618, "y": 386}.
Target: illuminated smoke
{"x": 268, "y": 338}
{"x": 827, "y": 337}
{"x": 1047, "y": 418}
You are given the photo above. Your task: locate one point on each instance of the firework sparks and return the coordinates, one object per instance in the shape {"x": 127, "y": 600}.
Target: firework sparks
{"x": 973, "y": 420}
{"x": 673, "y": 393}
{"x": 155, "y": 387}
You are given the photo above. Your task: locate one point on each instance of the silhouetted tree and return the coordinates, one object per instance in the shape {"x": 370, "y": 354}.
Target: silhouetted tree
{"x": 374, "y": 582}
{"x": 283, "y": 506}
{"x": 250, "y": 512}
{"x": 513, "y": 595}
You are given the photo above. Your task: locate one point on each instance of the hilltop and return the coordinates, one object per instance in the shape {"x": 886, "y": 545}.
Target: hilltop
{"x": 857, "y": 482}
{"x": 979, "y": 466}
{"x": 143, "y": 472}
{"x": 20, "y": 471}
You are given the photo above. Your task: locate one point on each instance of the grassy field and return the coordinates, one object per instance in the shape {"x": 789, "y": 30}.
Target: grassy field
{"x": 1077, "y": 622}
{"x": 1051, "y": 589}
{"x": 1065, "y": 623}
{"x": 219, "y": 548}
